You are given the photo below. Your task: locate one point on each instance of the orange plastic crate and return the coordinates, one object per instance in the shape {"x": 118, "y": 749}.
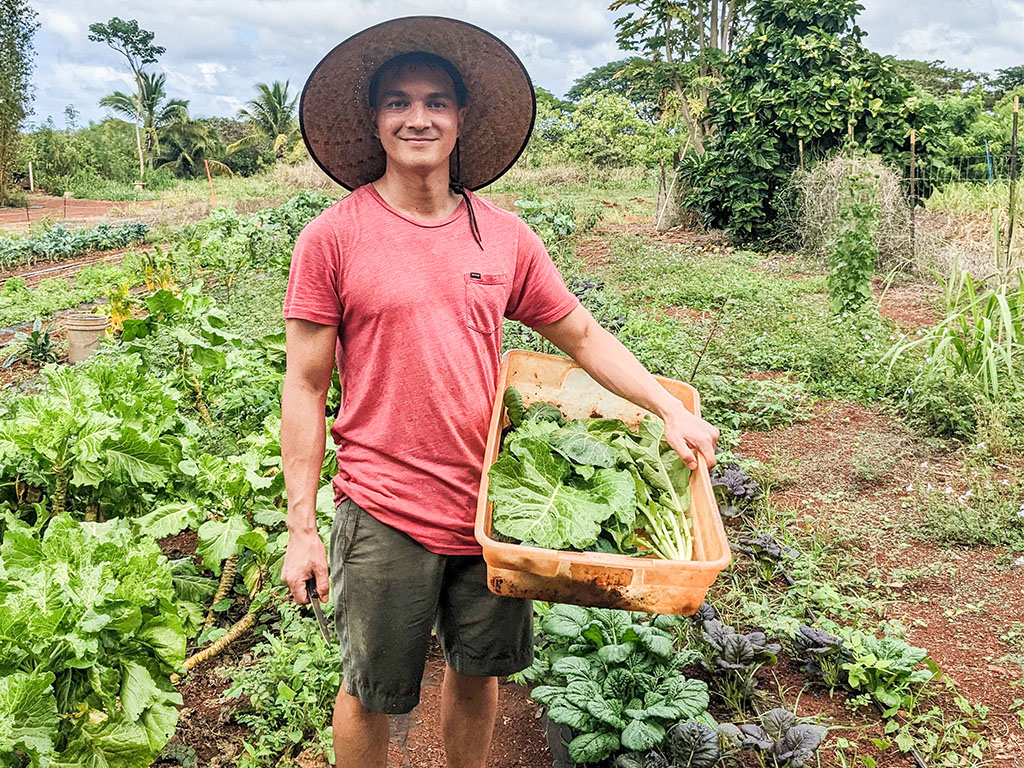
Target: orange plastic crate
{"x": 597, "y": 579}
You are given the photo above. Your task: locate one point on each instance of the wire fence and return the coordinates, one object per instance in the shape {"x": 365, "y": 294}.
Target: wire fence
{"x": 981, "y": 169}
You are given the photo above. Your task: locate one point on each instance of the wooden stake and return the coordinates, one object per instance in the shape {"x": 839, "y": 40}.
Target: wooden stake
{"x": 31, "y": 181}
{"x": 213, "y": 197}
{"x": 1013, "y": 175}
{"x": 801, "y": 154}
{"x": 913, "y": 190}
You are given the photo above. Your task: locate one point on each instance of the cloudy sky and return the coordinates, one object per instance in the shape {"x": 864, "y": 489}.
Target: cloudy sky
{"x": 217, "y": 49}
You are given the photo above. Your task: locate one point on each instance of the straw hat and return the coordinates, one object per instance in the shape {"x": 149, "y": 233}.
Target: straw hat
{"x": 334, "y": 110}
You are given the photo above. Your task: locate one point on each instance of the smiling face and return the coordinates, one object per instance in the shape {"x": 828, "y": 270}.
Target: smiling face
{"x": 418, "y": 119}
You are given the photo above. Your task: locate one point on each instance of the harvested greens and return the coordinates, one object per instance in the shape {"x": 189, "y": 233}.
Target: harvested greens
{"x": 590, "y": 484}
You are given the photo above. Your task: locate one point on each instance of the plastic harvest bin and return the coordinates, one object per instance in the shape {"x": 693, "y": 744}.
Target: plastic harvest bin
{"x": 597, "y": 579}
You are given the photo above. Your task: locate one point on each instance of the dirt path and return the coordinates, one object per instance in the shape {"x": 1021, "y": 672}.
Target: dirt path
{"x": 44, "y": 206}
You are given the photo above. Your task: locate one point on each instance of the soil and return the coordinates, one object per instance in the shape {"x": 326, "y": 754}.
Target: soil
{"x": 45, "y": 206}
{"x": 911, "y": 305}
{"x": 956, "y": 602}
{"x": 518, "y": 737}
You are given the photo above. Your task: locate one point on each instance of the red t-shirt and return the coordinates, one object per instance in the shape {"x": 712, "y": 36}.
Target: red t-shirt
{"x": 418, "y": 306}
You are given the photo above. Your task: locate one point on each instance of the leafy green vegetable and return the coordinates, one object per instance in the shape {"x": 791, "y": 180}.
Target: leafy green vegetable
{"x": 589, "y": 484}
{"x": 89, "y": 634}
{"x": 539, "y": 504}
{"x": 614, "y": 678}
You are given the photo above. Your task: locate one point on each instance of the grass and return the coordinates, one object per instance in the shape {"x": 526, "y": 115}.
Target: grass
{"x": 768, "y": 323}
{"x": 989, "y": 512}
{"x": 974, "y": 197}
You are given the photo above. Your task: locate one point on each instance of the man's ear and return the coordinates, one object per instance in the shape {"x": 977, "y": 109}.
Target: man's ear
{"x": 461, "y": 120}
{"x": 373, "y": 123}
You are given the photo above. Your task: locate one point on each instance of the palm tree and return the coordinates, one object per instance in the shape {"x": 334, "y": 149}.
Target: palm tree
{"x": 272, "y": 115}
{"x": 156, "y": 112}
{"x": 187, "y": 144}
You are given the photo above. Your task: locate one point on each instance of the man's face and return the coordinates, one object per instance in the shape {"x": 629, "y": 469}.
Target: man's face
{"x": 417, "y": 118}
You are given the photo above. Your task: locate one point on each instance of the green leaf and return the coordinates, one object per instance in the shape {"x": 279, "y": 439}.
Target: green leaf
{"x": 563, "y": 712}
{"x": 138, "y": 689}
{"x": 614, "y": 654}
{"x": 566, "y": 621}
{"x": 642, "y": 735}
{"x": 218, "y": 540}
{"x": 658, "y": 642}
{"x": 107, "y": 740}
{"x": 28, "y": 715}
{"x": 163, "y": 634}
{"x": 532, "y": 501}
{"x": 593, "y": 747}
{"x": 692, "y": 700}
{"x": 573, "y": 668}
{"x": 169, "y": 519}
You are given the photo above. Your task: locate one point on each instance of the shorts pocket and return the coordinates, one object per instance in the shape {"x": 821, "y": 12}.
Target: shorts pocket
{"x": 344, "y": 530}
{"x": 486, "y": 297}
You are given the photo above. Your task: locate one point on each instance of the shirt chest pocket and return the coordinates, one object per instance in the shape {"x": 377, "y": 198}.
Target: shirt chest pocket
{"x": 486, "y": 297}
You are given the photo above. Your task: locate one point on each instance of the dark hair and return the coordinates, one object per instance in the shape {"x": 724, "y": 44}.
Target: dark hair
{"x": 420, "y": 59}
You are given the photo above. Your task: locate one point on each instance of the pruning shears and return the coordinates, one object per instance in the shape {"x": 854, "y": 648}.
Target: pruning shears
{"x": 314, "y": 600}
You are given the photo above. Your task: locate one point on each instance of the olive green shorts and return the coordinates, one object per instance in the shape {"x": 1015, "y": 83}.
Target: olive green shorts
{"x": 389, "y": 592}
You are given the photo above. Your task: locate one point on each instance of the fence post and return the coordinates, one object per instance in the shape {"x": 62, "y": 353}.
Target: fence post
{"x": 31, "y": 181}
{"x": 1013, "y": 176}
{"x": 801, "y": 154}
{"x": 913, "y": 191}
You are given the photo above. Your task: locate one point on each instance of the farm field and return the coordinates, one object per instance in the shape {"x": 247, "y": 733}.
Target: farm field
{"x": 881, "y": 526}
{"x": 825, "y": 243}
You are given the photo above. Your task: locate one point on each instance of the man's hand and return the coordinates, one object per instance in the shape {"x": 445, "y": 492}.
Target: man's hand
{"x": 687, "y": 433}
{"x": 304, "y": 558}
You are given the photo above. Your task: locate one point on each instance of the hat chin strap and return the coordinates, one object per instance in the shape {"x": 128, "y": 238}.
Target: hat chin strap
{"x": 458, "y": 188}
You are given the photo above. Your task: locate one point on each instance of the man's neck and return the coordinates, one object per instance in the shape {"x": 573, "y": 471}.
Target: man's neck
{"x": 422, "y": 197}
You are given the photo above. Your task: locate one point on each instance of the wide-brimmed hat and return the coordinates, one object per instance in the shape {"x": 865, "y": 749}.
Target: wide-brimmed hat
{"x": 334, "y": 110}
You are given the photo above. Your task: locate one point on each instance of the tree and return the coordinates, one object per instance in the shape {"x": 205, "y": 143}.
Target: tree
{"x": 187, "y": 143}
{"x": 272, "y": 116}
{"x": 151, "y": 107}
{"x": 803, "y": 74}
{"x": 684, "y": 42}
{"x": 938, "y": 79}
{"x": 628, "y": 78}
{"x": 17, "y": 26}
{"x": 606, "y": 131}
{"x": 136, "y": 45}
{"x": 1008, "y": 79}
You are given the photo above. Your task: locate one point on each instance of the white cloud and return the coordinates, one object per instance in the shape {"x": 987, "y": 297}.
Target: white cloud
{"x": 981, "y": 35}
{"x": 217, "y": 51}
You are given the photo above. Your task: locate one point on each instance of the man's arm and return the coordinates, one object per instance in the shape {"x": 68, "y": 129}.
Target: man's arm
{"x": 616, "y": 369}
{"x": 303, "y": 434}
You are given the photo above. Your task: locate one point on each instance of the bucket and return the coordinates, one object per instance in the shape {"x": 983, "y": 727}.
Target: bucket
{"x": 85, "y": 332}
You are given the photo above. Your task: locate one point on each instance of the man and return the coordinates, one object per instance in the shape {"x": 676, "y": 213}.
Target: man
{"x": 406, "y": 280}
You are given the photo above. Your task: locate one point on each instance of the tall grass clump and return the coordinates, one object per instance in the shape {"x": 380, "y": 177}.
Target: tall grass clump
{"x": 817, "y": 200}
{"x": 981, "y": 336}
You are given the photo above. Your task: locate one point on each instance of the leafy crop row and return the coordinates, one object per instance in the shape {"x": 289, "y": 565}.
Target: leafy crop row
{"x": 60, "y": 242}
{"x": 152, "y": 436}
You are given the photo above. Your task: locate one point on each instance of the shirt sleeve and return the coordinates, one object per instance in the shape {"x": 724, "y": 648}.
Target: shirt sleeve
{"x": 314, "y": 279}
{"x": 539, "y": 295}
